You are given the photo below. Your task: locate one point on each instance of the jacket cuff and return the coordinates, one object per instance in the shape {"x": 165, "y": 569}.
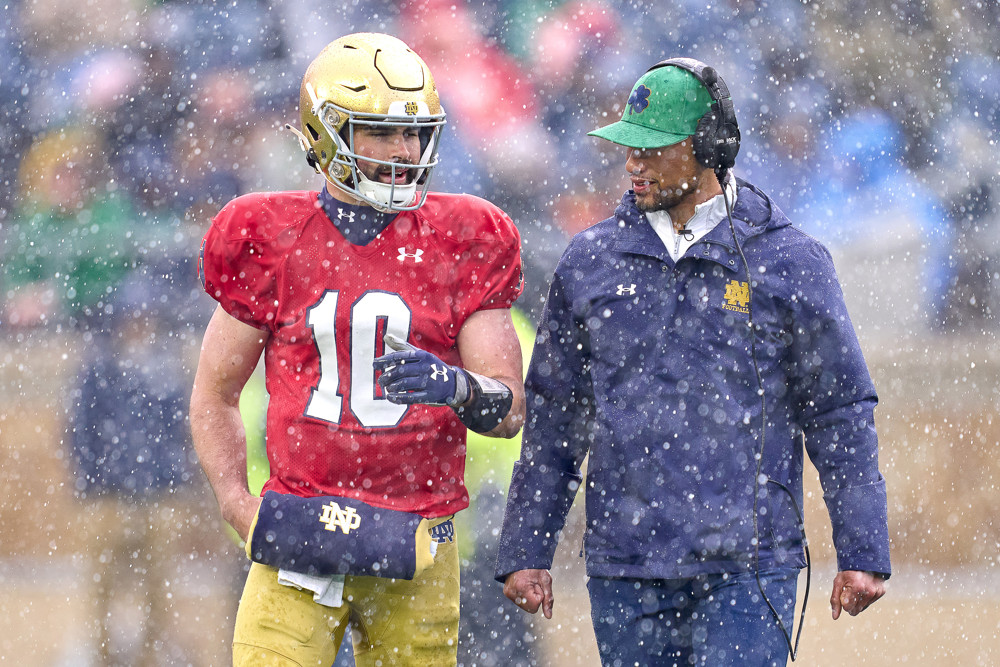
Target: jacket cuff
{"x": 859, "y": 516}
{"x": 537, "y": 504}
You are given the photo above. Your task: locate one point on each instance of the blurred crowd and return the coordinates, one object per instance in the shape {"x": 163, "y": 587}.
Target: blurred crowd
{"x": 126, "y": 124}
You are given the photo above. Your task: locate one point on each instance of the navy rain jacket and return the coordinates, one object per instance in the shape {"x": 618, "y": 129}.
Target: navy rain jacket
{"x": 646, "y": 364}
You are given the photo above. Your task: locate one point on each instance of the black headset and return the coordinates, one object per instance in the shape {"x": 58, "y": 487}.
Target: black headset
{"x": 717, "y": 138}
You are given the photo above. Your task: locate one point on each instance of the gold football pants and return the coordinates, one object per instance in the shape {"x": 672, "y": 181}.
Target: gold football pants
{"x": 394, "y": 621}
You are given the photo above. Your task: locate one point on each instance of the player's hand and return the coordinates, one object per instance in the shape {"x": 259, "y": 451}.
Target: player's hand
{"x": 530, "y": 589}
{"x": 239, "y": 510}
{"x": 411, "y": 375}
{"x": 855, "y": 591}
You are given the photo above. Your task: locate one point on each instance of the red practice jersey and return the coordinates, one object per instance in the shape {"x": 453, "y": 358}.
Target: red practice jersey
{"x": 275, "y": 261}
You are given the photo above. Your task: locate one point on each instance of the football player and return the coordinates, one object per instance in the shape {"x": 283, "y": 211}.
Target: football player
{"x": 382, "y": 311}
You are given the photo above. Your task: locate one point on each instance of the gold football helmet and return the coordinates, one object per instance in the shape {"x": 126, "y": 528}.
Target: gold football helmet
{"x": 369, "y": 79}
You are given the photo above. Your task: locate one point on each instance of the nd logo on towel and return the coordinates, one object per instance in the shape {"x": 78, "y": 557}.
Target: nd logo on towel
{"x": 334, "y": 518}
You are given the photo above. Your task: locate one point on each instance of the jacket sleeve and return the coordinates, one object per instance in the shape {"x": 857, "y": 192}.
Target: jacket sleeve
{"x": 547, "y": 475}
{"x": 835, "y": 402}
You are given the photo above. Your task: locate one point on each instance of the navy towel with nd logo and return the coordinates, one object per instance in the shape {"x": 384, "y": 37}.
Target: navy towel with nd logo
{"x": 331, "y": 535}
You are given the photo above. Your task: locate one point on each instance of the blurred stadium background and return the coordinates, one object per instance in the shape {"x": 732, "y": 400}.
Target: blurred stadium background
{"x": 125, "y": 124}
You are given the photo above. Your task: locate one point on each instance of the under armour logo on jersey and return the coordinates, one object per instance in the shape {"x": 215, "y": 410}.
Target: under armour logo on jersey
{"x": 341, "y": 214}
{"x": 630, "y": 290}
{"x": 415, "y": 256}
{"x": 441, "y": 373}
{"x": 346, "y": 519}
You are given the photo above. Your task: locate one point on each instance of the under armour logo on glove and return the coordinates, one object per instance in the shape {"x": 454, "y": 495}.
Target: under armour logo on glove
{"x": 411, "y": 375}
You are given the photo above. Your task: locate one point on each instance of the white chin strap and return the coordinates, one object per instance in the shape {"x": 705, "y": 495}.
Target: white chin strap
{"x": 388, "y": 195}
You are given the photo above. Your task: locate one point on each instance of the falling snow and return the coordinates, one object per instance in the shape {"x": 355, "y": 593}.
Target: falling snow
{"x": 127, "y": 125}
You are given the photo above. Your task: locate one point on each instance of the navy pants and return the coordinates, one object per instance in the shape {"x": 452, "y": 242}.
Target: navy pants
{"x": 716, "y": 619}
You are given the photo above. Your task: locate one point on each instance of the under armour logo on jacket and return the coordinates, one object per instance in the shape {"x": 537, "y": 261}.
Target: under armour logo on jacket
{"x": 341, "y": 214}
{"x": 415, "y": 256}
{"x": 630, "y": 290}
{"x": 437, "y": 373}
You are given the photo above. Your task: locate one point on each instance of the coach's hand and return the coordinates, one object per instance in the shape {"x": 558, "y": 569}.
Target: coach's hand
{"x": 855, "y": 591}
{"x": 529, "y": 589}
{"x": 411, "y": 375}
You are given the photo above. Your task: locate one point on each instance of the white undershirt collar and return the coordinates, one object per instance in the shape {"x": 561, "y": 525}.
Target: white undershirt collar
{"x": 706, "y": 216}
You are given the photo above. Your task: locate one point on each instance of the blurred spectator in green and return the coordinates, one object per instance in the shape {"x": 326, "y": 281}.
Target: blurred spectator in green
{"x": 68, "y": 244}
{"x": 492, "y": 633}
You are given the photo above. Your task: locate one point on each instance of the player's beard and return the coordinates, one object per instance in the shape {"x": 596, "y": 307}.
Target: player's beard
{"x": 666, "y": 198}
{"x": 661, "y": 200}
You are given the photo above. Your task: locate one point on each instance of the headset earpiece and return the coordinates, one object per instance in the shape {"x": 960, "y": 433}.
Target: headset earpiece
{"x": 704, "y": 140}
{"x": 717, "y": 137}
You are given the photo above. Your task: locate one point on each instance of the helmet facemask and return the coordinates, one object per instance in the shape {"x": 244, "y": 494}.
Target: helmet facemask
{"x": 344, "y": 173}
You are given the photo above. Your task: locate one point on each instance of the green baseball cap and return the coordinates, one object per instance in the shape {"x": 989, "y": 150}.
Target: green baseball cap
{"x": 663, "y": 109}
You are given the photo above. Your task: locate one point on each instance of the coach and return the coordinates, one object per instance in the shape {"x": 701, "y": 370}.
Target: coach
{"x": 694, "y": 344}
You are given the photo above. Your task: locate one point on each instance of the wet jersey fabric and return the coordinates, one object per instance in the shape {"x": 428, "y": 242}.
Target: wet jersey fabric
{"x": 645, "y": 364}
{"x": 276, "y": 262}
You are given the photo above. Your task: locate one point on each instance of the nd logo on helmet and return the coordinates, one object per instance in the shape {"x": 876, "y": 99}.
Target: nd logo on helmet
{"x": 410, "y": 109}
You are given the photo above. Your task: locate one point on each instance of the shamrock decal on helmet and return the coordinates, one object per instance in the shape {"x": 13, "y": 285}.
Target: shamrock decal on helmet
{"x": 638, "y": 100}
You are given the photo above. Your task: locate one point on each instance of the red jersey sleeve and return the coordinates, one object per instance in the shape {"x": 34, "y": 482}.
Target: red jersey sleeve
{"x": 241, "y": 259}
{"x": 494, "y": 271}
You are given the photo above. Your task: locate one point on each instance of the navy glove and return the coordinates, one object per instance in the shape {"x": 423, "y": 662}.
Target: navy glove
{"x": 411, "y": 375}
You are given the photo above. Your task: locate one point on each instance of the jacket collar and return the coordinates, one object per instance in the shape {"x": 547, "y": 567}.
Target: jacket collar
{"x": 753, "y": 214}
